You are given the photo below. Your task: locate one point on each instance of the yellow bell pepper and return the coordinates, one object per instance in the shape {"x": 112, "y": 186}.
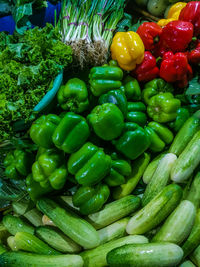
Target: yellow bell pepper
{"x": 163, "y": 22}
{"x": 128, "y": 49}
{"x": 175, "y": 10}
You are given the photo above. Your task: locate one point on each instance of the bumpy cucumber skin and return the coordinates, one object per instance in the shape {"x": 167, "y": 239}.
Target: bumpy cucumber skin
{"x": 187, "y": 264}
{"x": 78, "y": 229}
{"x": 187, "y": 161}
{"x": 178, "y": 225}
{"x": 114, "y": 211}
{"x": 194, "y": 193}
{"x": 15, "y": 224}
{"x": 195, "y": 256}
{"x": 160, "y": 178}
{"x": 155, "y": 211}
{"x": 157, "y": 7}
{"x": 14, "y": 259}
{"x": 97, "y": 257}
{"x": 146, "y": 255}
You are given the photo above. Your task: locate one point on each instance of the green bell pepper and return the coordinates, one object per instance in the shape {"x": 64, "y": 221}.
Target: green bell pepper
{"x": 89, "y": 164}
{"x": 131, "y": 88}
{"x": 91, "y": 199}
{"x": 107, "y": 121}
{"x": 182, "y": 115}
{"x": 50, "y": 169}
{"x": 71, "y": 133}
{"x": 136, "y": 113}
{"x": 163, "y": 107}
{"x": 133, "y": 141}
{"x": 42, "y": 130}
{"x": 116, "y": 97}
{"x": 119, "y": 169}
{"x": 18, "y": 164}
{"x": 159, "y": 135}
{"x": 34, "y": 188}
{"x": 105, "y": 78}
{"x": 73, "y": 96}
{"x": 154, "y": 87}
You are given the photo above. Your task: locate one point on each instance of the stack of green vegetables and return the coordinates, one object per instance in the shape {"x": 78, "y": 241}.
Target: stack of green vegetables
{"x": 119, "y": 164}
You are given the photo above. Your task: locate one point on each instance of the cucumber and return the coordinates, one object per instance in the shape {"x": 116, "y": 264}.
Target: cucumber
{"x": 114, "y": 211}
{"x": 4, "y": 234}
{"x": 138, "y": 169}
{"x": 155, "y": 211}
{"x": 2, "y": 249}
{"x": 113, "y": 231}
{"x": 187, "y": 264}
{"x": 195, "y": 256}
{"x": 15, "y": 224}
{"x": 47, "y": 221}
{"x": 57, "y": 240}
{"x": 194, "y": 192}
{"x": 178, "y": 225}
{"x": 188, "y": 160}
{"x": 97, "y": 257}
{"x": 11, "y": 243}
{"x": 146, "y": 255}
{"x": 69, "y": 223}
{"x": 67, "y": 200}
{"x": 30, "y": 243}
{"x": 14, "y": 259}
{"x": 160, "y": 178}
{"x": 193, "y": 240}
{"x": 148, "y": 173}
{"x": 185, "y": 134}
{"x": 157, "y": 7}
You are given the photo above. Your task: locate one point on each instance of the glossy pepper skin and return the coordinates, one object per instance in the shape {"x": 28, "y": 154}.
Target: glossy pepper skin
{"x": 91, "y": 199}
{"x": 136, "y": 113}
{"x": 177, "y": 35}
{"x": 159, "y": 135}
{"x": 119, "y": 170}
{"x": 34, "y": 188}
{"x": 175, "y": 10}
{"x": 131, "y": 88}
{"x": 107, "y": 121}
{"x": 18, "y": 164}
{"x": 164, "y": 22}
{"x": 150, "y": 33}
{"x": 128, "y": 49}
{"x": 105, "y": 78}
{"x": 194, "y": 55}
{"x": 133, "y": 142}
{"x": 182, "y": 115}
{"x": 89, "y": 164}
{"x": 175, "y": 68}
{"x": 116, "y": 97}
{"x": 42, "y": 129}
{"x": 154, "y": 87}
{"x": 73, "y": 96}
{"x": 50, "y": 169}
{"x": 191, "y": 13}
{"x": 147, "y": 70}
{"x": 71, "y": 133}
{"x": 163, "y": 107}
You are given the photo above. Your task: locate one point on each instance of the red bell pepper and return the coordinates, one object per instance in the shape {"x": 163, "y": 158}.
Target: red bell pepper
{"x": 150, "y": 33}
{"x": 147, "y": 70}
{"x": 177, "y": 35}
{"x": 175, "y": 68}
{"x": 193, "y": 56}
{"x": 191, "y": 13}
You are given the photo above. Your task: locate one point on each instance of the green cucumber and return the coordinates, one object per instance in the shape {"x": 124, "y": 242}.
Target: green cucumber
{"x": 67, "y": 200}
{"x": 57, "y": 240}
{"x": 193, "y": 240}
{"x": 157, "y": 7}
{"x": 178, "y": 225}
{"x": 160, "y": 178}
{"x": 30, "y": 243}
{"x": 155, "y": 211}
{"x": 14, "y": 259}
{"x": 113, "y": 231}
{"x": 187, "y": 264}
{"x": 188, "y": 160}
{"x": 78, "y": 229}
{"x": 15, "y": 224}
{"x": 185, "y": 134}
{"x": 146, "y": 255}
{"x": 195, "y": 256}
{"x": 47, "y": 221}
{"x": 194, "y": 192}
{"x": 97, "y": 256}
{"x": 138, "y": 169}
{"x": 114, "y": 211}
{"x": 2, "y": 249}
{"x": 11, "y": 243}
{"x": 148, "y": 173}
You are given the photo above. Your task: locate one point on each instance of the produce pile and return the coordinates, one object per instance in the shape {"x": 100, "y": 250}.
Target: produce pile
{"x": 109, "y": 174}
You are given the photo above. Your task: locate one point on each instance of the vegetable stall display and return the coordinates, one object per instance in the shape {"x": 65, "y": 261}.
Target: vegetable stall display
{"x": 108, "y": 173}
